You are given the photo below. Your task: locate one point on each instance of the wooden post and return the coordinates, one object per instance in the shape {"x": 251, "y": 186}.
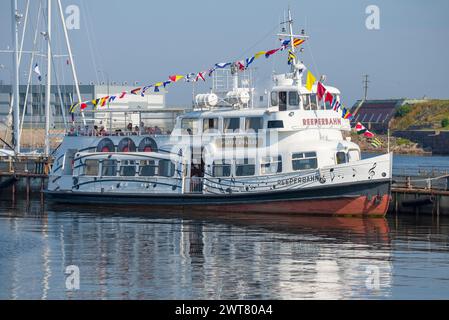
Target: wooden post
{"x": 28, "y": 182}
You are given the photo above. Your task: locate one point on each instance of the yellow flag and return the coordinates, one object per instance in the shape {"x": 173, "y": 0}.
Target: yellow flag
{"x": 310, "y": 80}
{"x": 258, "y": 54}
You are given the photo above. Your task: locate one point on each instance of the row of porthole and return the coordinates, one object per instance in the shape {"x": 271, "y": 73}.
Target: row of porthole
{"x": 127, "y": 145}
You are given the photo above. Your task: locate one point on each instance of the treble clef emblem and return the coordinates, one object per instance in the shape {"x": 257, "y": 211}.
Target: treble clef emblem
{"x": 371, "y": 171}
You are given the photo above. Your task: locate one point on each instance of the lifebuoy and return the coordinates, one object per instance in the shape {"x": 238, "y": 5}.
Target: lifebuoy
{"x": 126, "y": 145}
{"x": 105, "y": 145}
{"x": 147, "y": 145}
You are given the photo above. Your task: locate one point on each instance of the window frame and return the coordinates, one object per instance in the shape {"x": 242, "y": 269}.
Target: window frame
{"x": 306, "y": 155}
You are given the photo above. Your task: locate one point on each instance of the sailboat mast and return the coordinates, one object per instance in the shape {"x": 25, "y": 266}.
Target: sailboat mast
{"x": 15, "y": 99}
{"x": 48, "y": 86}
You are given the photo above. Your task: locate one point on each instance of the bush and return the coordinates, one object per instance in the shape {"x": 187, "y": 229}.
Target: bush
{"x": 403, "y": 110}
{"x": 445, "y": 122}
{"x": 402, "y": 141}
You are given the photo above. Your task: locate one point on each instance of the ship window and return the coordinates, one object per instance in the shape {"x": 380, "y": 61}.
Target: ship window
{"x": 270, "y": 165}
{"x": 231, "y": 124}
{"x": 253, "y": 124}
{"x": 304, "y": 161}
{"x": 341, "y": 157}
{"x": 128, "y": 168}
{"x": 221, "y": 169}
{"x": 109, "y": 168}
{"x": 275, "y": 124}
{"x": 282, "y": 101}
{"x": 293, "y": 99}
{"x": 306, "y": 101}
{"x": 166, "y": 168}
{"x": 147, "y": 168}
{"x": 189, "y": 126}
{"x": 91, "y": 167}
{"x": 353, "y": 155}
{"x": 210, "y": 124}
{"x": 245, "y": 167}
{"x": 274, "y": 99}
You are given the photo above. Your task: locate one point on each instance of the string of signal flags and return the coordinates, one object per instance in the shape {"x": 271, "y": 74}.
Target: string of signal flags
{"x": 190, "y": 77}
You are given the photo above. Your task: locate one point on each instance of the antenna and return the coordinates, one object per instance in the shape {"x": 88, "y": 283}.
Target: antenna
{"x": 365, "y": 85}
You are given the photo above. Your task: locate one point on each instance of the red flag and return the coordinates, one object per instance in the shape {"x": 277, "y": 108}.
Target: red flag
{"x": 320, "y": 91}
{"x": 269, "y": 53}
{"x": 329, "y": 97}
{"x": 368, "y": 134}
{"x": 83, "y": 106}
{"x": 122, "y": 95}
{"x": 134, "y": 91}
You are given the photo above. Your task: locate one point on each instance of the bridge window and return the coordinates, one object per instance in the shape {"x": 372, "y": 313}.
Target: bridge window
{"x": 91, "y": 167}
{"x": 221, "y": 168}
{"x": 341, "y": 157}
{"x": 231, "y": 124}
{"x": 210, "y": 124}
{"x": 147, "y": 168}
{"x": 282, "y": 101}
{"x": 109, "y": 168}
{"x": 293, "y": 99}
{"x": 245, "y": 167}
{"x": 128, "y": 168}
{"x": 275, "y": 124}
{"x": 274, "y": 99}
{"x": 270, "y": 165}
{"x": 189, "y": 126}
{"x": 254, "y": 124}
{"x": 304, "y": 161}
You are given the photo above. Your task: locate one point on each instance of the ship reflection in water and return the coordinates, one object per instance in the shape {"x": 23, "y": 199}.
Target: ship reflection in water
{"x": 138, "y": 254}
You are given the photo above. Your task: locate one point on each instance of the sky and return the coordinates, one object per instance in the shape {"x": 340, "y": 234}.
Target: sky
{"x": 146, "y": 41}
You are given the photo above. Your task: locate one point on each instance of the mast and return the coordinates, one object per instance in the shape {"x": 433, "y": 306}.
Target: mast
{"x": 72, "y": 64}
{"x": 48, "y": 86}
{"x": 15, "y": 101}
{"x": 296, "y": 66}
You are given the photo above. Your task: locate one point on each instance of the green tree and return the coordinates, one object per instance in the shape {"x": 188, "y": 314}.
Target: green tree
{"x": 445, "y": 122}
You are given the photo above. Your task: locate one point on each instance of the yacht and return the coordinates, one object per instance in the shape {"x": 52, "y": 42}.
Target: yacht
{"x": 287, "y": 156}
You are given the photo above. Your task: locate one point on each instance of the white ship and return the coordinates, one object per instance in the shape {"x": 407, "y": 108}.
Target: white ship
{"x": 289, "y": 156}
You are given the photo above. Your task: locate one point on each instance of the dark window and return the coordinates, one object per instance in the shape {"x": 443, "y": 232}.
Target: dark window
{"x": 304, "y": 161}
{"x": 109, "y": 168}
{"x": 275, "y": 124}
{"x": 231, "y": 124}
{"x": 210, "y": 124}
{"x": 293, "y": 98}
{"x": 282, "y": 101}
{"x": 128, "y": 168}
{"x": 221, "y": 169}
{"x": 147, "y": 168}
{"x": 271, "y": 165}
{"x": 245, "y": 167}
{"x": 166, "y": 168}
{"x": 341, "y": 157}
{"x": 254, "y": 124}
{"x": 91, "y": 167}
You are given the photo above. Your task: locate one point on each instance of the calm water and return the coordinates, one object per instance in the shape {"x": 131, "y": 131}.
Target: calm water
{"x": 143, "y": 254}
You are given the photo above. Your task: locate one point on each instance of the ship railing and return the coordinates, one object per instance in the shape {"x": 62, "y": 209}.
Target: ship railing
{"x": 193, "y": 185}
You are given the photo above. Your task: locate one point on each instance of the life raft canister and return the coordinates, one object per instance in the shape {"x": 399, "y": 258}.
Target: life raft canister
{"x": 105, "y": 145}
{"x": 148, "y": 145}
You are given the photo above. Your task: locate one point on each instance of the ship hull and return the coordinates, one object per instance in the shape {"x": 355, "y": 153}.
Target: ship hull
{"x": 369, "y": 198}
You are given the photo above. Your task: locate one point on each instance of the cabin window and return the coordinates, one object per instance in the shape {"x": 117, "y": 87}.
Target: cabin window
{"x": 109, "y": 168}
{"x": 304, "y": 161}
{"x": 341, "y": 157}
{"x": 253, "y": 124}
{"x": 189, "y": 126}
{"x": 282, "y": 101}
{"x": 293, "y": 99}
{"x": 275, "y": 124}
{"x": 353, "y": 155}
{"x": 309, "y": 101}
{"x": 270, "y": 165}
{"x": 91, "y": 167}
{"x": 221, "y": 168}
{"x": 245, "y": 167}
{"x": 231, "y": 124}
{"x": 210, "y": 124}
{"x": 147, "y": 168}
{"x": 274, "y": 99}
{"x": 128, "y": 168}
{"x": 166, "y": 168}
